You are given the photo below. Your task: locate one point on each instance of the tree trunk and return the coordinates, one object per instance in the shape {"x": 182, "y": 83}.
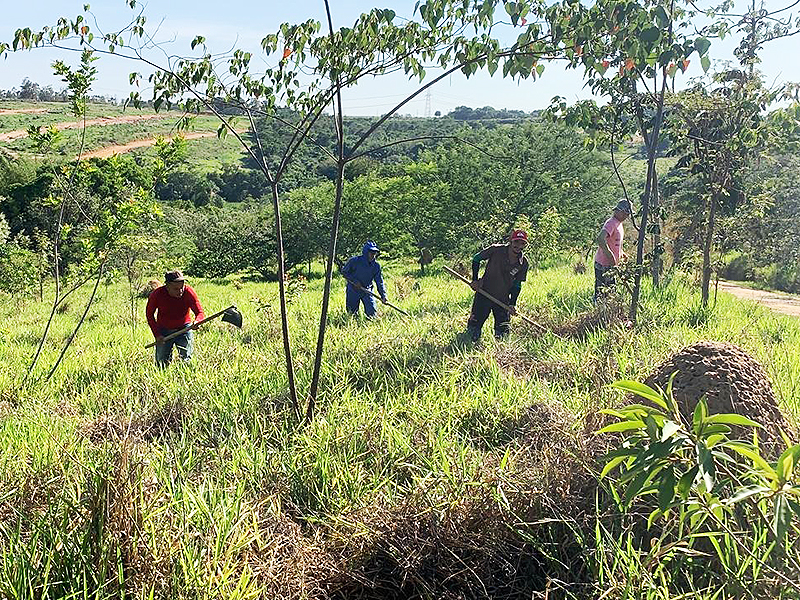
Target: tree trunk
{"x": 287, "y": 348}
{"x": 68, "y": 343}
{"x": 707, "y": 243}
{"x": 656, "y": 265}
{"x": 649, "y": 191}
{"x": 337, "y": 210}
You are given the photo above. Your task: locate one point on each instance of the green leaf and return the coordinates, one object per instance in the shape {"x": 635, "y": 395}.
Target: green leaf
{"x": 640, "y": 389}
{"x": 650, "y": 35}
{"x": 700, "y": 413}
{"x": 750, "y": 452}
{"x": 786, "y": 463}
{"x": 747, "y": 492}
{"x": 666, "y": 489}
{"x": 702, "y": 45}
{"x": 781, "y": 518}
{"x": 622, "y": 426}
{"x": 389, "y": 15}
{"x": 706, "y": 463}
{"x": 709, "y": 430}
{"x": 634, "y": 487}
{"x": 795, "y": 506}
{"x": 705, "y": 62}
{"x": 662, "y": 18}
{"x": 611, "y": 465}
{"x": 731, "y": 419}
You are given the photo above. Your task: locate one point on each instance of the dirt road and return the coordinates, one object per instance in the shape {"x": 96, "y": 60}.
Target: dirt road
{"x": 779, "y": 302}
{"x": 109, "y": 151}
{"x": 100, "y": 122}
{"x": 21, "y": 111}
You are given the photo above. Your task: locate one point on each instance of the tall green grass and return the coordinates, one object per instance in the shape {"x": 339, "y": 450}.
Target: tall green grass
{"x": 123, "y": 480}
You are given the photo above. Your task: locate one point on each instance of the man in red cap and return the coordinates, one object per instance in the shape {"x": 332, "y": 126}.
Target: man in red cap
{"x": 173, "y": 301}
{"x": 506, "y": 270}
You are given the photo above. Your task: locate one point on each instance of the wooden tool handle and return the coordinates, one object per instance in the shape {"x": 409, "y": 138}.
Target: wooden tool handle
{"x": 374, "y": 295}
{"x": 490, "y": 297}
{"x": 188, "y": 327}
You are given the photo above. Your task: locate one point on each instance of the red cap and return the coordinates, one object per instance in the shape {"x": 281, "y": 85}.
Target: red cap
{"x": 519, "y": 234}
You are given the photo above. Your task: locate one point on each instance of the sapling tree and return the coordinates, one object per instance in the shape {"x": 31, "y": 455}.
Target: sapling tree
{"x": 630, "y": 53}
{"x": 716, "y": 133}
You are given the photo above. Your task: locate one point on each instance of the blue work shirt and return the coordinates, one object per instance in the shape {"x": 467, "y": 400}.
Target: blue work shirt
{"x": 361, "y": 270}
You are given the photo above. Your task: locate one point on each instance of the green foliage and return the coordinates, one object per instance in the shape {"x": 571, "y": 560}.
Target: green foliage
{"x": 20, "y": 267}
{"x": 187, "y": 188}
{"x": 703, "y": 487}
{"x": 543, "y": 238}
{"x": 79, "y": 81}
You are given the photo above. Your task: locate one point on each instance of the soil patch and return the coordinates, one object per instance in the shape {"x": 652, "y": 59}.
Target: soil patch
{"x": 785, "y": 304}
{"x": 109, "y": 151}
{"x": 21, "y": 111}
{"x": 99, "y": 122}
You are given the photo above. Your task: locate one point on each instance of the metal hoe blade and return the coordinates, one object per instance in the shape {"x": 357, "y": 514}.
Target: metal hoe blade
{"x": 232, "y": 316}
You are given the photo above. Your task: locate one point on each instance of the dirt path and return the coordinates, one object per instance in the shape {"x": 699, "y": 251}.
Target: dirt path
{"x": 110, "y": 151}
{"x": 21, "y": 111}
{"x": 100, "y": 122}
{"x": 778, "y": 302}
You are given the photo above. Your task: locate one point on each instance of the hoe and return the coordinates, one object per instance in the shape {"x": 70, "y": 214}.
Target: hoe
{"x": 458, "y": 275}
{"x": 229, "y": 315}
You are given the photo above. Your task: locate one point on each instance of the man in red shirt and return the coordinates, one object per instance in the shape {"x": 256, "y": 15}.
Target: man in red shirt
{"x": 173, "y": 301}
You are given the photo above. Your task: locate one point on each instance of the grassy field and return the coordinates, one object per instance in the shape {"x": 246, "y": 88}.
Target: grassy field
{"x": 434, "y": 469}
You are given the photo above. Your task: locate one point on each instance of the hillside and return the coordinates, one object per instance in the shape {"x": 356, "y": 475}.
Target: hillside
{"x": 109, "y": 129}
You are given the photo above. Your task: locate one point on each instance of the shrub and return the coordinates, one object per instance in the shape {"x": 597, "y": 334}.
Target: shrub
{"x": 733, "y": 516}
{"x": 19, "y": 268}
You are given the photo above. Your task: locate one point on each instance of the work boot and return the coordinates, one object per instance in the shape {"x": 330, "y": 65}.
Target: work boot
{"x": 474, "y": 333}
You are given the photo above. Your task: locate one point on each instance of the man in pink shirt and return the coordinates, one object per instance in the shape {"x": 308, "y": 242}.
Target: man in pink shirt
{"x": 609, "y": 248}
{"x": 173, "y": 301}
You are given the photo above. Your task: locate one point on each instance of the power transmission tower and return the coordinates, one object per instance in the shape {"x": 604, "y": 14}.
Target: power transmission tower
{"x": 428, "y": 105}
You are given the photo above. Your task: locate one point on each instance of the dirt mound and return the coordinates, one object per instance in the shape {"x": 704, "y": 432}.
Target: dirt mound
{"x": 731, "y": 381}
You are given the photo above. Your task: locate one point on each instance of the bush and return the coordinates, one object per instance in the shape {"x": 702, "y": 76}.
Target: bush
{"x": 738, "y": 267}
{"x": 185, "y": 188}
{"x": 703, "y": 487}
{"x": 19, "y": 269}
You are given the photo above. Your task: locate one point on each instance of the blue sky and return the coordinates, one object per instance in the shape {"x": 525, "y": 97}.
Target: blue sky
{"x": 242, "y": 23}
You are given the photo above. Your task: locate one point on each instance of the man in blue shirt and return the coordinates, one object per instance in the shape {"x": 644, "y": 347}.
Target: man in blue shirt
{"x": 360, "y": 271}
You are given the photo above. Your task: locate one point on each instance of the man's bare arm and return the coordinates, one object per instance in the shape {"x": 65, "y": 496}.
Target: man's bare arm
{"x": 602, "y": 243}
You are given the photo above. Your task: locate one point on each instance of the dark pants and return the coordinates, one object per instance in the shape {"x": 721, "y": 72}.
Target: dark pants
{"x": 354, "y": 297}
{"x": 603, "y": 280}
{"x": 481, "y": 307}
{"x": 183, "y": 343}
